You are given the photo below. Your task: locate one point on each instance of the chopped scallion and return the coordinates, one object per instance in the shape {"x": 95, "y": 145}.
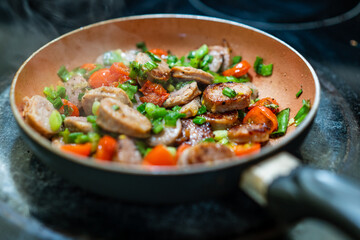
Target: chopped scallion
{"x": 57, "y": 102}
{"x": 302, "y": 113}
{"x": 95, "y": 107}
{"x": 201, "y": 110}
{"x": 299, "y": 93}
{"x": 64, "y": 74}
{"x": 115, "y": 107}
{"x": 142, "y": 46}
{"x": 229, "y": 92}
{"x": 199, "y": 120}
{"x": 153, "y": 57}
{"x": 261, "y": 69}
{"x": 283, "y": 119}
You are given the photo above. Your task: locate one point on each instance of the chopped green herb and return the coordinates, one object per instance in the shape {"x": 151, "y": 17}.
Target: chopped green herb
{"x": 64, "y": 74}
{"x": 201, "y": 110}
{"x": 204, "y": 64}
{"x": 57, "y": 102}
{"x": 176, "y": 108}
{"x": 241, "y": 114}
{"x": 202, "y": 51}
{"x": 91, "y": 119}
{"x": 80, "y": 96}
{"x": 82, "y": 139}
{"x": 142, "y": 46}
{"x": 68, "y": 110}
{"x": 61, "y": 91}
{"x": 299, "y": 93}
{"x": 141, "y": 108}
{"x": 171, "y": 60}
{"x": 115, "y": 107}
{"x": 182, "y": 84}
{"x": 220, "y": 134}
{"x": 261, "y": 69}
{"x": 209, "y": 140}
{"x": 153, "y": 57}
{"x": 79, "y": 71}
{"x": 191, "y": 55}
{"x": 199, "y": 120}
{"x": 172, "y": 117}
{"x": 229, "y": 92}
{"x": 224, "y": 141}
{"x": 94, "y": 139}
{"x": 272, "y": 106}
{"x": 130, "y": 90}
{"x": 221, "y": 79}
{"x": 257, "y": 99}
{"x": 65, "y": 135}
{"x": 157, "y": 125}
{"x": 235, "y": 60}
{"x": 302, "y": 113}
{"x": 283, "y": 119}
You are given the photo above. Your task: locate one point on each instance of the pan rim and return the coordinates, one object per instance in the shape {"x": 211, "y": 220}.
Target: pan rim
{"x": 164, "y": 171}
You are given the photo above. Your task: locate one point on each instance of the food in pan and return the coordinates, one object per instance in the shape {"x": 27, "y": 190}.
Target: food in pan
{"x": 154, "y": 108}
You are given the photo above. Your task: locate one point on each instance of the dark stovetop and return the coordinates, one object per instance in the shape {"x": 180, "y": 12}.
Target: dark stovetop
{"x": 36, "y": 203}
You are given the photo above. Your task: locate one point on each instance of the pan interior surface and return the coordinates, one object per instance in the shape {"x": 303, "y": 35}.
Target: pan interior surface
{"x": 179, "y": 34}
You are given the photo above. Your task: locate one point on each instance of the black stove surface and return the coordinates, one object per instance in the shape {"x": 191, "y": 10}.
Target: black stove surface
{"x": 36, "y": 203}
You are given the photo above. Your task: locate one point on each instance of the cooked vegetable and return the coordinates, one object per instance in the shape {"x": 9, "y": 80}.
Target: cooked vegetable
{"x": 78, "y": 149}
{"x": 298, "y": 94}
{"x": 69, "y": 109}
{"x": 142, "y": 46}
{"x": 261, "y": 69}
{"x": 64, "y": 74}
{"x": 283, "y": 120}
{"x": 160, "y": 156}
{"x": 246, "y": 149}
{"x": 229, "y": 92}
{"x": 159, "y": 52}
{"x": 238, "y": 70}
{"x": 106, "y": 148}
{"x": 268, "y": 102}
{"x": 261, "y": 114}
{"x": 153, "y": 93}
{"x": 55, "y": 121}
{"x": 199, "y": 120}
{"x": 198, "y": 108}
{"x": 302, "y": 113}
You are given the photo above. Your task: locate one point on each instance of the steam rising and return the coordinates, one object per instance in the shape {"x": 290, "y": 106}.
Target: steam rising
{"x": 26, "y": 25}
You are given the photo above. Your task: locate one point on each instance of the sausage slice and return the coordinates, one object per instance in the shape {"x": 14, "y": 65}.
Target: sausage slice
{"x": 100, "y": 93}
{"x": 37, "y": 112}
{"x": 162, "y": 72}
{"x": 75, "y": 86}
{"x": 245, "y": 133}
{"x": 221, "y": 120}
{"x": 216, "y": 101}
{"x": 126, "y": 151}
{"x": 205, "y": 153}
{"x": 167, "y": 136}
{"x": 191, "y": 108}
{"x": 190, "y": 73}
{"x": 192, "y": 133}
{"x": 221, "y": 58}
{"x": 183, "y": 95}
{"x": 115, "y": 116}
{"x": 78, "y": 124}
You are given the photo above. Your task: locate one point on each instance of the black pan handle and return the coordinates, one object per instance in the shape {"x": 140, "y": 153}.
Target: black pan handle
{"x": 308, "y": 192}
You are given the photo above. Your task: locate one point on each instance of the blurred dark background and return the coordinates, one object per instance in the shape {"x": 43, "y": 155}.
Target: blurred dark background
{"x": 36, "y": 203}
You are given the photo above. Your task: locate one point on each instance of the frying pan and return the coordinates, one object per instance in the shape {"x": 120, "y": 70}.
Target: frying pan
{"x": 273, "y": 179}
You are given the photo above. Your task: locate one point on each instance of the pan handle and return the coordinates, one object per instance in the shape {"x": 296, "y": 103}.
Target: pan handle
{"x": 309, "y": 192}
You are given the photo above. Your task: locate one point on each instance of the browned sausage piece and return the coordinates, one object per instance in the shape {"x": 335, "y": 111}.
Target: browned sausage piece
{"x": 221, "y": 120}
{"x": 75, "y": 86}
{"x": 254, "y": 90}
{"x": 115, "y": 116}
{"x": 183, "y": 95}
{"x": 192, "y": 133}
{"x": 221, "y": 58}
{"x": 205, "y": 153}
{"x": 245, "y": 133}
{"x": 100, "y": 93}
{"x": 167, "y": 136}
{"x": 78, "y": 124}
{"x": 190, "y": 73}
{"x": 216, "y": 101}
{"x": 191, "y": 108}
{"x": 37, "y": 112}
{"x": 126, "y": 151}
{"x": 162, "y": 72}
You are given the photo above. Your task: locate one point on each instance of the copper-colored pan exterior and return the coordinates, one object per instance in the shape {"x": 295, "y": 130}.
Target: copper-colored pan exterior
{"x": 178, "y": 33}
